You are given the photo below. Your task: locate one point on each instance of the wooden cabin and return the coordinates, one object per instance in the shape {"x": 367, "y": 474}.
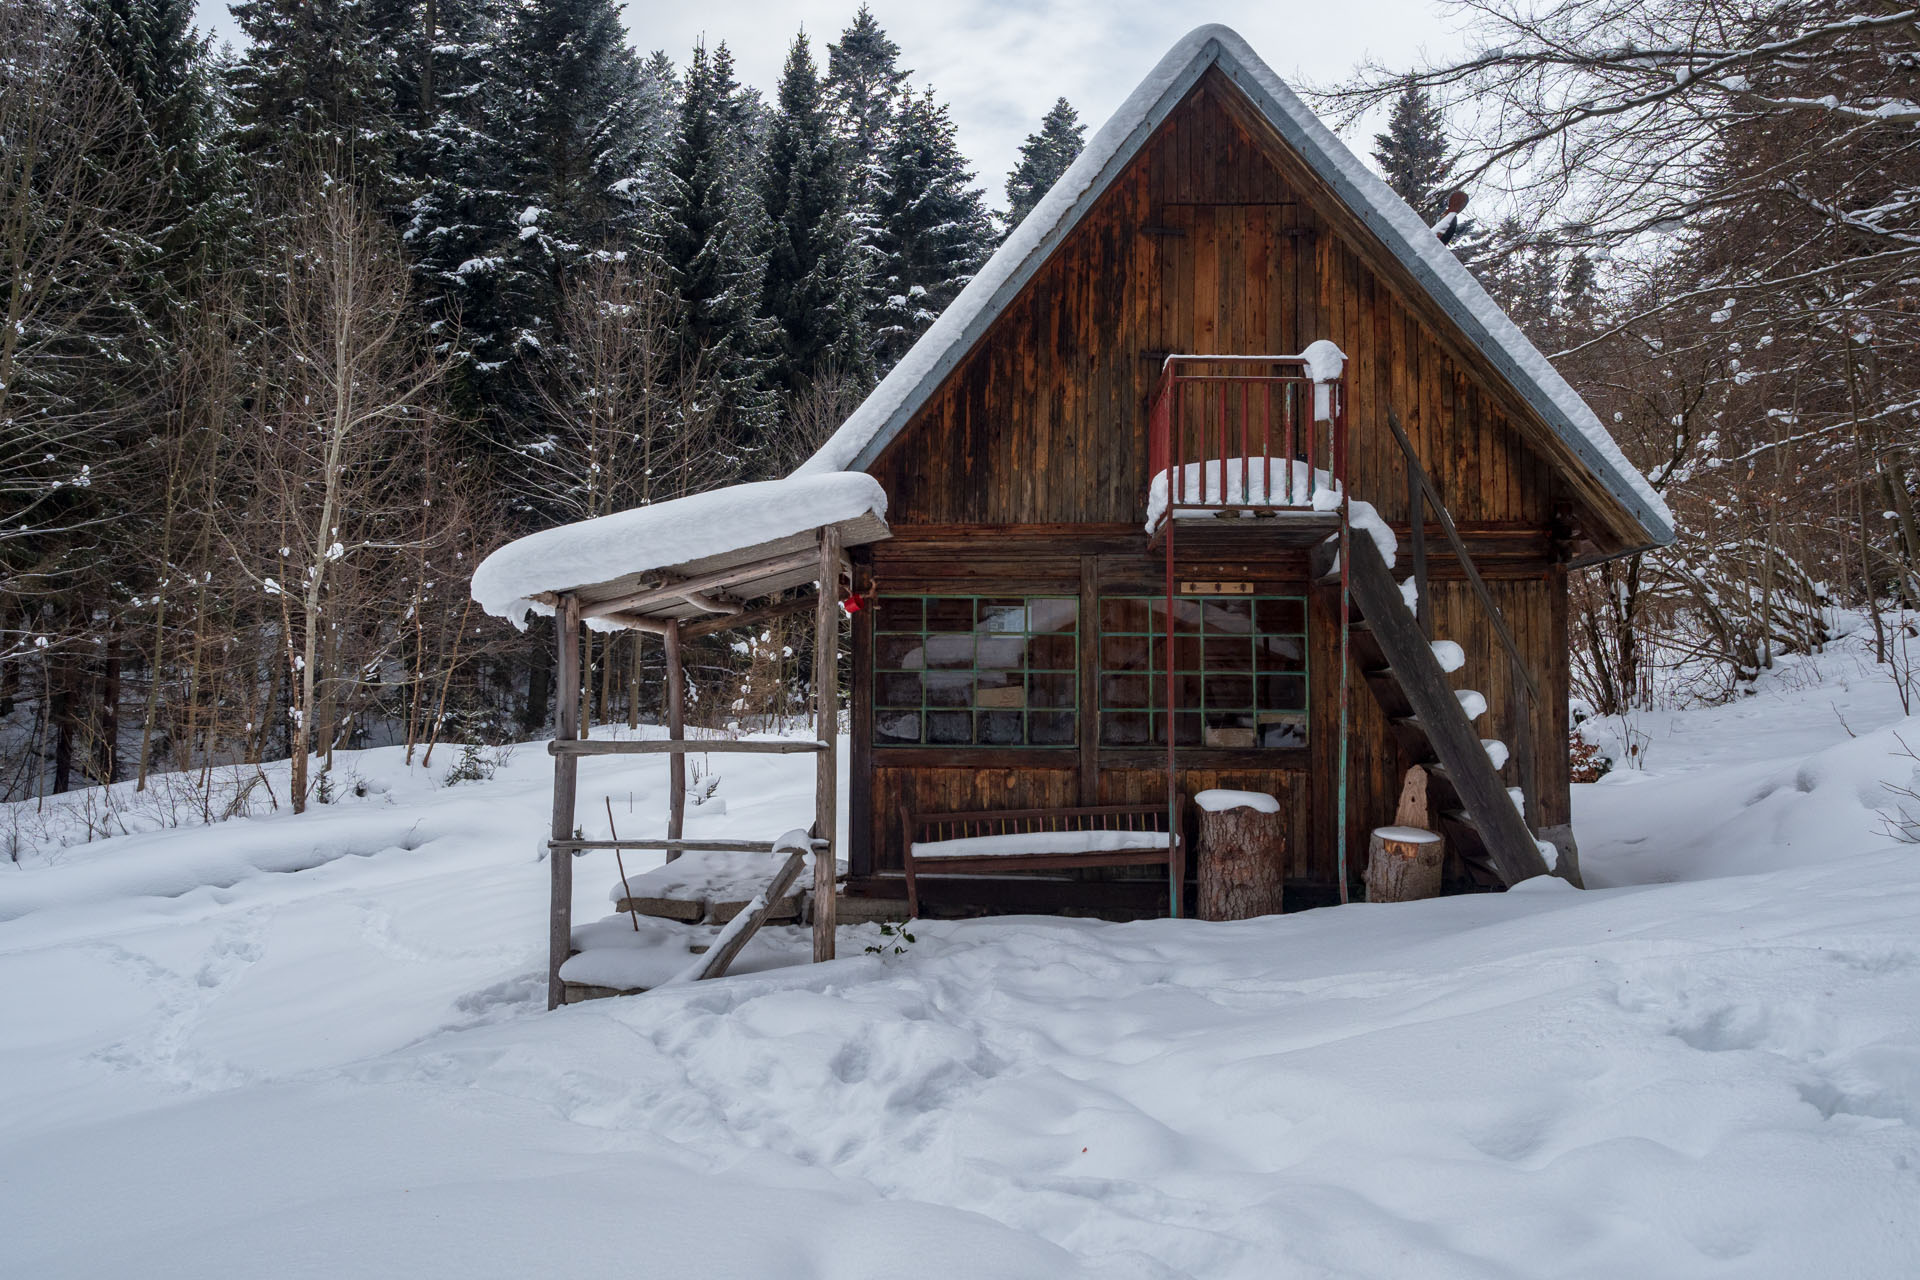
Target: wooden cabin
{"x": 1012, "y": 651}
{"x": 1223, "y": 474}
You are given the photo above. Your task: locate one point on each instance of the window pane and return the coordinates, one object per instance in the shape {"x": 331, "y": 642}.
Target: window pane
{"x": 996, "y": 689}
{"x": 949, "y": 651}
{"x": 1047, "y": 615}
{"x": 1003, "y": 616}
{"x": 1001, "y": 653}
{"x": 898, "y": 691}
{"x": 1282, "y": 653}
{"x": 1229, "y": 653}
{"x": 1283, "y": 731}
{"x": 949, "y": 689}
{"x": 1001, "y": 728}
{"x": 1050, "y": 728}
{"x": 1232, "y": 617}
{"x": 1124, "y": 653}
{"x": 1280, "y": 615}
{"x": 897, "y": 727}
{"x": 1229, "y": 693}
{"x": 1051, "y": 690}
{"x": 1126, "y": 691}
{"x": 950, "y": 728}
{"x": 1125, "y": 729}
{"x": 1125, "y": 614}
{"x": 1283, "y": 693}
{"x": 900, "y": 653}
{"x": 1053, "y": 653}
{"x": 950, "y": 614}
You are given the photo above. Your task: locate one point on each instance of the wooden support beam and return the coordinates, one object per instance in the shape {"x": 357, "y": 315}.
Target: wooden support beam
{"x": 676, "y": 846}
{"x": 671, "y": 590}
{"x": 676, "y": 732}
{"x": 566, "y": 773}
{"x": 743, "y": 926}
{"x": 826, "y": 789}
{"x": 682, "y": 746}
{"x": 750, "y": 618}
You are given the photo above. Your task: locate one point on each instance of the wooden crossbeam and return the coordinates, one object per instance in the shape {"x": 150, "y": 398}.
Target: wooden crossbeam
{"x": 670, "y": 845}
{"x": 671, "y": 590}
{"x": 686, "y": 746}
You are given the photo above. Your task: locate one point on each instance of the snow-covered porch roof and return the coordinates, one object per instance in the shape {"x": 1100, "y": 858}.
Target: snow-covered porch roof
{"x": 699, "y": 556}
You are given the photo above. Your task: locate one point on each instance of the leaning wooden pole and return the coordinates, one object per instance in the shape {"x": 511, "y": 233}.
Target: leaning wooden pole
{"x": 826, "y": 722}
{"x": 676, "y": 731}
{"x": 566, "y": 773}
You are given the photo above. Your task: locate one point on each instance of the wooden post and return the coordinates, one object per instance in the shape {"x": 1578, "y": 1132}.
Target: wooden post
{"x": 1403, "y": 864}
{"x": 676, "y": 731}
{"x": 826, "y": 786}
{"x": 1242, "y": 860}
{"x": 566, "y": 772}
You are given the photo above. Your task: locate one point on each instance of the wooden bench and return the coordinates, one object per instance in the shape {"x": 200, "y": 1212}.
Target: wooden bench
{"x": 988, "y": 841}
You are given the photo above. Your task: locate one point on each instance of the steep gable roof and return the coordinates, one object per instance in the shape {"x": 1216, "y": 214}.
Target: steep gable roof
{"x": 881, "y": 417}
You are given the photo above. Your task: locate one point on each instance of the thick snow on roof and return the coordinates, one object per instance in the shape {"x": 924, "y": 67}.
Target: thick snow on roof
{"x": 874, "y": 424}
{"x": 666, "y": 534}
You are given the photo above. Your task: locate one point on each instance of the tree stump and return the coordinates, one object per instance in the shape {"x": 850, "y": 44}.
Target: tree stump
{"x": 1243, "y": 845}
{"x": 1403, "y": 864}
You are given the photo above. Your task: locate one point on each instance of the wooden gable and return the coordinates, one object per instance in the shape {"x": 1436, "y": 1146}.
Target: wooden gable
{"x": 1215, "y": 238}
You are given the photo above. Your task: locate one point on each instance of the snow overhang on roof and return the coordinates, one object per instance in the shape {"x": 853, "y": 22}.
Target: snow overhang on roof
{"x": 671, "y": 560}
{"x": 860, "y": 440}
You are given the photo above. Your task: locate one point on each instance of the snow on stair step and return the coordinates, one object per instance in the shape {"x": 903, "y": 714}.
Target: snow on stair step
{"x": 1449, "y": 655}
{"x": 1472, "y": 701}
{"x": 1496, "y": 751}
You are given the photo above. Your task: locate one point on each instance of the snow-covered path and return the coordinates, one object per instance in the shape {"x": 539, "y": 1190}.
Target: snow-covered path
{"x": 345, "y": 1070}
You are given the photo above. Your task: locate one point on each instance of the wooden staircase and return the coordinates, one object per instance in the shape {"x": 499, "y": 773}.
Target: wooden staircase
{"x": 1393, "y": 655}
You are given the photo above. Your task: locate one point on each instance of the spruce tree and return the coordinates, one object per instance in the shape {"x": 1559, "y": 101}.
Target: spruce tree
{"x": 314, "y": 92}
{"x": 712, "y": 236}
{"x": 814, "y": 291}
{"x": 934, "y": 227}
{"x": 1413, "y": 153}
{"x": 865, "y": 85}
{"x": 1044, "y": 156}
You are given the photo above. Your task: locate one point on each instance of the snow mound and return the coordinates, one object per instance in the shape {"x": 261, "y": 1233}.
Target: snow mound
{"x": 1218, "y": 798}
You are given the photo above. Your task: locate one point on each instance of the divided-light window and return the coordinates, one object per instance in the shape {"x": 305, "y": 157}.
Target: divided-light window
{"x": 1239, "y": 671}
{"x": 975, "y": 671}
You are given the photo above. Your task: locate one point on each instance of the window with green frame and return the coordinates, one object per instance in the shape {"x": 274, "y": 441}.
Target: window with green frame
{"x": 1239, "y": 671}
{"x": 975, "y": 671}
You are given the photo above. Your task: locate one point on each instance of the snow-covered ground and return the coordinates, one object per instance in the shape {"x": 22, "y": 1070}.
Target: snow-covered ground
{"x": 316, "y": 1046}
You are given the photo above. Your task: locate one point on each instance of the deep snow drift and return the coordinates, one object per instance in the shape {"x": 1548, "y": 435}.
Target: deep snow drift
{"x": 217, "y": 1064}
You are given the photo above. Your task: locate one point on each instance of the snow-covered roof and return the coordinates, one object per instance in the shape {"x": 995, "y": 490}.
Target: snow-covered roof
{"x": 859, "y": 441}
{"x": 740, "y": 525}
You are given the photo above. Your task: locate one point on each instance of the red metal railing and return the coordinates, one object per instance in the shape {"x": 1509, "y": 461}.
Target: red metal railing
{"x": 1244, "y": 433}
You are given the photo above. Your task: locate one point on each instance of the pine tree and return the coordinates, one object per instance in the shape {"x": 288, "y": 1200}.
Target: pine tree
{"x": 814, "y": 291}
{"x": 1414, "y": 154}
{"x": 934, "y": 227}
{"x": 1044, "y": 156}
{"x": 712, "y": 236}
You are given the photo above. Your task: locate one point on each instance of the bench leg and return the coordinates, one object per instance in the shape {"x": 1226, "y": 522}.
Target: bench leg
{"x": 913, "y": 889}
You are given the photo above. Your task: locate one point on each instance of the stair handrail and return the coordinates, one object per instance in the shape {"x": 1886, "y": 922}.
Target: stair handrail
{"x": 1421, "y": 494}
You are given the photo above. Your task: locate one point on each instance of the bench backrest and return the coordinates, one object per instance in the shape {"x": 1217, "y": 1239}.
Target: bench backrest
{"x": 928, "y": 828}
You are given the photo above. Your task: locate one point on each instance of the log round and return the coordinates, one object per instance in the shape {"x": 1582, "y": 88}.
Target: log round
{"x": 1242, "y": 858}
{"x": 1403, "y": 864}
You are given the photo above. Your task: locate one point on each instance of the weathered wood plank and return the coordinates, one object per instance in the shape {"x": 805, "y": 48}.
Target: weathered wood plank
{"x": 566, "y": 773}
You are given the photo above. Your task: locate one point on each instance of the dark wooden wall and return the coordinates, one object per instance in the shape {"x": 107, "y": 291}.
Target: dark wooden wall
{"x": 1028, "y": 469}
{"x": 1201, "y": 246}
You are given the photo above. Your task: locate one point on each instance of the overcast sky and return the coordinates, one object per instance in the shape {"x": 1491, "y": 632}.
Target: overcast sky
{"x": 1001, "y": 63}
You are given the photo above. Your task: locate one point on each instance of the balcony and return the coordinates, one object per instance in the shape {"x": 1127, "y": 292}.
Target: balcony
{"x": 1245, "y": 438}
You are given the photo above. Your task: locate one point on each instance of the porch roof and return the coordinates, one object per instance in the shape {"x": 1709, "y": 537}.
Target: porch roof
{"x": 691, "y": 557}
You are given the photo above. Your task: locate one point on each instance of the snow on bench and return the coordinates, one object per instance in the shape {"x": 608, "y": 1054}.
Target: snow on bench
{"x": 1040, "y": 842}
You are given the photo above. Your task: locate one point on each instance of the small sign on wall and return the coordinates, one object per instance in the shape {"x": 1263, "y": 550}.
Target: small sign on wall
{"x": 1216, "y": 588}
